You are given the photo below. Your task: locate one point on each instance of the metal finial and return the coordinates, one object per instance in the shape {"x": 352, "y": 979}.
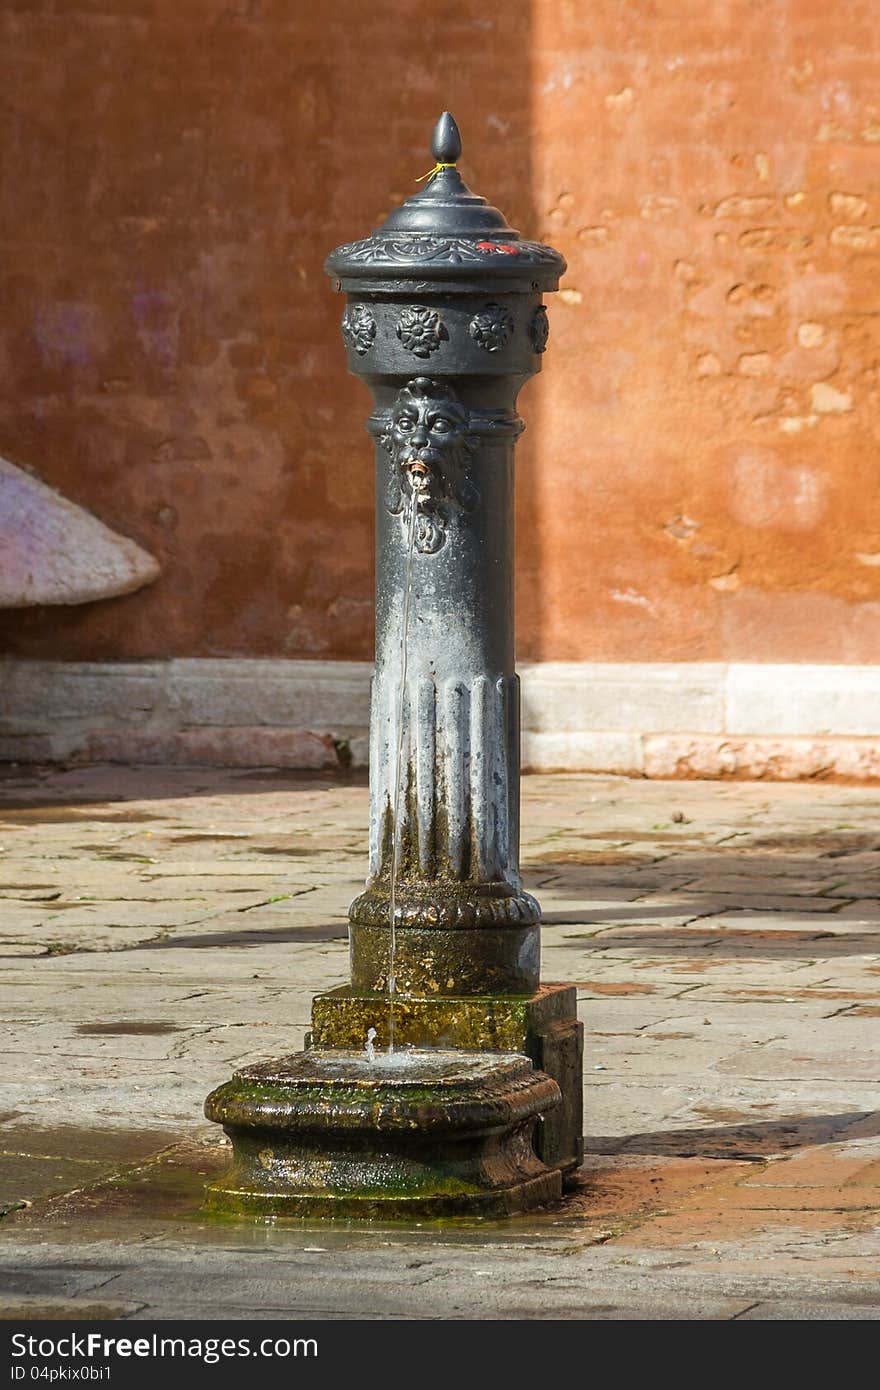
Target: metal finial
{"x": 446, "y": 140}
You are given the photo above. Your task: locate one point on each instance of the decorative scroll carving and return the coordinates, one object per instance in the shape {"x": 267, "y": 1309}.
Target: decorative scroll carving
{"x": 455, "y": 250}
{"x": 427, "y": 435}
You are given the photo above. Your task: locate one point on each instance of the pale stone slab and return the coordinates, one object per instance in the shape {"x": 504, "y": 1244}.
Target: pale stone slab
{"x": 300, "y": 694}
{"x": 30, "y": 748}
{"x": 664, "y": 720}
{"x": 803, "y": 699}
{"x": 753, "y": 758}
{"x": 582, "y": 752}
{"x": 576, "y": 697}
{"x": 38, "y": 691}
{"x": 812, "y": 1063}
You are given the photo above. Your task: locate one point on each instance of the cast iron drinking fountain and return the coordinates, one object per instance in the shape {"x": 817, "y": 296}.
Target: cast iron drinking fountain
{"x": 445, "y": 1078}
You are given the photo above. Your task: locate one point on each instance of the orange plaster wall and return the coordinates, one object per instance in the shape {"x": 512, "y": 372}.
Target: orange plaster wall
{"x": 709, "y": 421}
{"x": 698, "y": 476}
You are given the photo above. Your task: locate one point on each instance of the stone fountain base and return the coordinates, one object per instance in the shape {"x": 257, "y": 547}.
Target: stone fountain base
{"x": 419, "y": 1134}
{"x": 543, "y": 1025}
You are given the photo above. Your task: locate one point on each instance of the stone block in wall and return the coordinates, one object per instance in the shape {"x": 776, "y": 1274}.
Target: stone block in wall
{"x": 762, "y": 759}
{"x": 796, "y": 722}
{"x": 303, "y": 694}
{"x": 256, "y": 747}
{"x": 582, "y": 751}
{"x": 42, "y": 694}
{"x": 27, "y": 748}
{"x": 567, "y": 697}
{"x": 799, "y": 700}
{"x": 234, "y": 746}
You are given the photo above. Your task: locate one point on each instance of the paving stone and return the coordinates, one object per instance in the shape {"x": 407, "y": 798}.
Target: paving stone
{"x": 808, "y": 1310}
{"x": 58, "y": 1281}
{"x": 36, "y": 1308}
{"x": 729, "y": 987}
{"x": 814, "y": 1062}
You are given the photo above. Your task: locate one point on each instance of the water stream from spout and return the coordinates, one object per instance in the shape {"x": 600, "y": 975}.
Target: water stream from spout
{"x": 397, "y": 833}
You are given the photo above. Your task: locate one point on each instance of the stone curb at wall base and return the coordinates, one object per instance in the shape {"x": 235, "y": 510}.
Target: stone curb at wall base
{"x": 664, "y": 720}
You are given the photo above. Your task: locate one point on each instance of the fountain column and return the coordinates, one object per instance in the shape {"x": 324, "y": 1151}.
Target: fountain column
{"x": 444, "y": 320}
{"x": 477, "y": 1108}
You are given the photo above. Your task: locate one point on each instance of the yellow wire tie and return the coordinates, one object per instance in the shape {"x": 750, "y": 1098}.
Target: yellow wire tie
{"x": 432, "y": 173}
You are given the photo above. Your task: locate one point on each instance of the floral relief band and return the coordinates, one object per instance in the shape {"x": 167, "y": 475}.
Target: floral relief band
{"x": 539, "y": 329}
{"x": 421, "y": 330}
{"x": 358, "y": 328}
{"x": 491, "y": 327}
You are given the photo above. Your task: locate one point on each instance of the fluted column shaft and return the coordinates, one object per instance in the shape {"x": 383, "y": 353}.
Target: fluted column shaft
{"x": 457, "y": 825}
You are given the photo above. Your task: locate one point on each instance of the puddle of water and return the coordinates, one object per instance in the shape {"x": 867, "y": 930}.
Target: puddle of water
{"x": 134, "y": 1028}
{"x": 25, "y": 1177}
{"x": 112, "y": 1146}
{"x": 428, "y": 1065}
{"x": 164, "y": 1196}
{"x": 39, "y": 1164}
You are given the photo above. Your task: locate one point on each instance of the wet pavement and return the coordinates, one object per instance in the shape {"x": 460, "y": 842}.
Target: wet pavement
{"x": 160, "y": 927}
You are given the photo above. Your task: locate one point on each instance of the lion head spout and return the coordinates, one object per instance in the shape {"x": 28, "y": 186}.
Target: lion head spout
{"x": 429, "y": 441}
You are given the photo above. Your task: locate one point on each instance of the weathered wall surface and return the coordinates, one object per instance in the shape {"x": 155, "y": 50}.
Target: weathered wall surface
{"x": 709, "y": 429}
{"x": 174, "y": 175}
{"x": 698, "y": 481}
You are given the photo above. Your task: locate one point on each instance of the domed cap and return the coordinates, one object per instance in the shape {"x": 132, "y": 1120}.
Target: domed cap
{"x": 446, "y": 233}
{"x": 445, "y": 205}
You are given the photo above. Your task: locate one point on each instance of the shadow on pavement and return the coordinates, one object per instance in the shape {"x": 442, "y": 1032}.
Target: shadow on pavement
{"x": 753, "y": 1139}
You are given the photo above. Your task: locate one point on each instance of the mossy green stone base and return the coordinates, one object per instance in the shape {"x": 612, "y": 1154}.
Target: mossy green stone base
{"x": 326, "y": 1133}
{"x": 544, "y": 1026}
{"x": 225, "y": 1200}
{"x": 447, "y": 960}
